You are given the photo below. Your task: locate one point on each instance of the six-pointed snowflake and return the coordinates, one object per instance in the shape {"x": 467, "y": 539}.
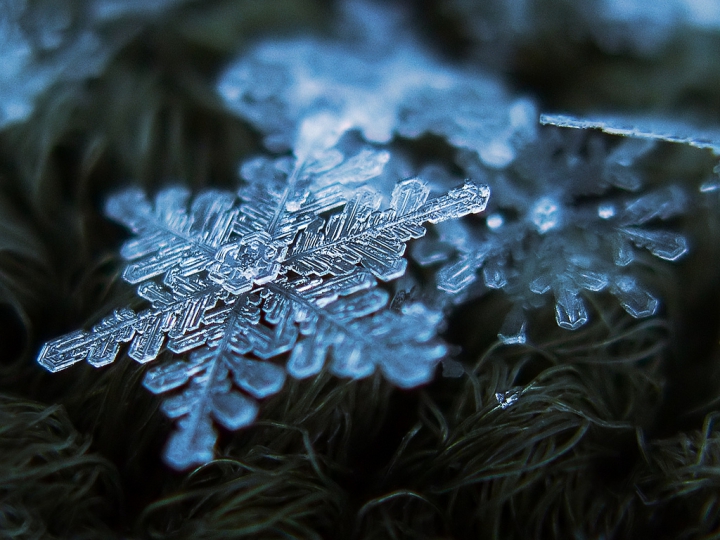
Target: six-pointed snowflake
{"x": 564, "y": 219}
{"x": 236, "y": 284}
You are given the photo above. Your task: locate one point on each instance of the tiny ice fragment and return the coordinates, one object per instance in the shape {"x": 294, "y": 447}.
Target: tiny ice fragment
{"x": 710, "y": 186}
{"x": 606, "y": 210}
{"x": 545, "y": 214}
{"x": 505, "y": 399}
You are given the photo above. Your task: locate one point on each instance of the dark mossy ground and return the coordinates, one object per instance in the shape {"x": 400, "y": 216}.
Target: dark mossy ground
{"x": 615, "y": 433}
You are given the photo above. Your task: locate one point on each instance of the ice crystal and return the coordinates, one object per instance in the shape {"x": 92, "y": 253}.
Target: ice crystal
{"x": 239, "y": 283}
{"x": 506, "y": 399}
{"x": 642, "y": 127}
{"x": 564, "y": 220}
{"x": 384, "y": 83}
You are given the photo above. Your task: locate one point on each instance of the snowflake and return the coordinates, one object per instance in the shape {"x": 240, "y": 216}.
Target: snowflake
{"x": 563, "y": 220}
{"x": 383, "y": 83}
{"x": 236, "y": 284}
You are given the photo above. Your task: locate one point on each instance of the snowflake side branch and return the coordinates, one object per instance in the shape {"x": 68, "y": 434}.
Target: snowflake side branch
{"x": 168, "y": 236}
{"x": 146, "y": 330}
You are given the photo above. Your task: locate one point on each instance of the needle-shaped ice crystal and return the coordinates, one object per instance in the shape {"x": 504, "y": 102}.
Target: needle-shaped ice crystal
{"x": 642, "y": 127}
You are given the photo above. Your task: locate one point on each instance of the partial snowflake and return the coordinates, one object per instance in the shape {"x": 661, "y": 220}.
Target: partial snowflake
{"x": 44, "y": 42}
{"x": 651, "y": 127}
{"x": 566, "y": 220}
{"x": 281, "y": 272}
{"x": 382, "y": 83}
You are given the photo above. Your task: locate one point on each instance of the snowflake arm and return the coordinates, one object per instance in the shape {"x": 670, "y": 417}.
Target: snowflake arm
{"x": 377, "y": 239}
{"x": 175, "y": 316}
{"x": 363, "y": 335}
{"x": 168, "y": 236}
{"x": 207, "y": 391}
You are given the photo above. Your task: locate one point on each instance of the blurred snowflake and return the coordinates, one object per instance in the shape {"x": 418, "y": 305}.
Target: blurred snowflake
{"x": 44, "y": 42}
{"x": 239, "y": 284}
{"x": 377, "y": 79}
{"x": 564, "y": 219}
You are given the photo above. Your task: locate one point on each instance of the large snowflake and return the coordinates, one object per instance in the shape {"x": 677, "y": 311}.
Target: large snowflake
{"x": 239, "y": 279}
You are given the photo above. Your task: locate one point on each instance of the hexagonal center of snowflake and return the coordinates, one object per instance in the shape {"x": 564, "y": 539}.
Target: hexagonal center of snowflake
{"x": 546, "y": 214}
{"x": 254, "y": 260}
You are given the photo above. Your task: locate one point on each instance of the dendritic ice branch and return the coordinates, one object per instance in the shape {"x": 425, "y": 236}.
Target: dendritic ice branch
{"x": 238, "y": 279}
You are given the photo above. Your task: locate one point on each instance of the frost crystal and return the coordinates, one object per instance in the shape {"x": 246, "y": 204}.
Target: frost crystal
{"x": 236, "y": 284}
{"x": 560, "y": 224}
{"x": 382, "y": 84}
